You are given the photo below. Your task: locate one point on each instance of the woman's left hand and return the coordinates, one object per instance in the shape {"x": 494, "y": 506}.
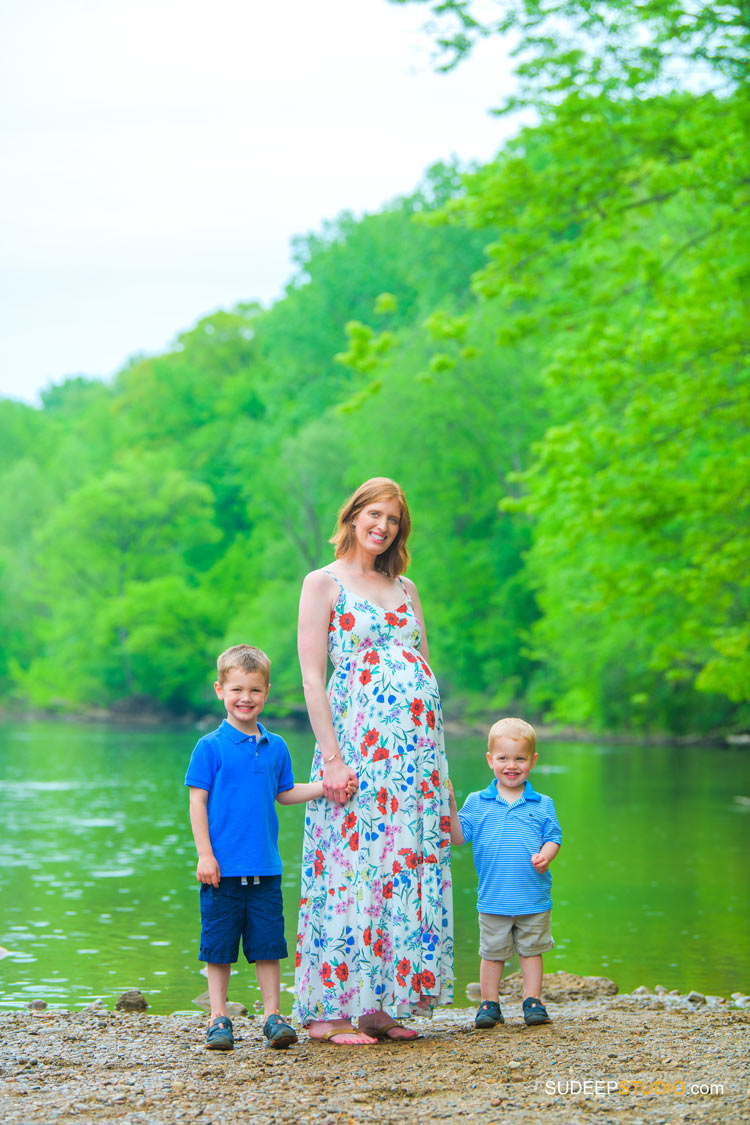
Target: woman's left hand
{"x": 337, "y": 778}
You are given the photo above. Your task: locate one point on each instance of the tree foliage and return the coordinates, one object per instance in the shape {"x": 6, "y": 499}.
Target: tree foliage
{"x": 549, "y": 352}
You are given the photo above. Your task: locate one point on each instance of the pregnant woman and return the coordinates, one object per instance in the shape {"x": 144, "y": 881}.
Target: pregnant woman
{"x": 375, "y": 934}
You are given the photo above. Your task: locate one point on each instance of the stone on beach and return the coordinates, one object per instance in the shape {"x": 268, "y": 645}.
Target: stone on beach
{"x": 132, "y": 1000}
{"x": 561, "y": 987}
{"x": 233, "y": 1009}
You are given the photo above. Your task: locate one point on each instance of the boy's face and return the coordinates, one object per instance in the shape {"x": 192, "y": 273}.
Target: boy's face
{"x": 511, "y": 761}
{"x": 244, "y": 695}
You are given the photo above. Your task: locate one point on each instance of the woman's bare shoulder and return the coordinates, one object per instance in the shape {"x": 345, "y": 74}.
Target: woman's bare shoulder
{"x": 319, "y": 581}
{"x": 410, "y": 586}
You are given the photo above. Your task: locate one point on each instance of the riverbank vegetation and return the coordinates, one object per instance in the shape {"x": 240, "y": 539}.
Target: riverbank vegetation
{"x": 549, "y": 352}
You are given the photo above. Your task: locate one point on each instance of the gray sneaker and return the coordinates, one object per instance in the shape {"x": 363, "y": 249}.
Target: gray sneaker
{"x": 278, "y": 1032}
{"x": 488, "y": 1014}
{"x": 534, "y": 1012}
{"x": 219, "y": 1036}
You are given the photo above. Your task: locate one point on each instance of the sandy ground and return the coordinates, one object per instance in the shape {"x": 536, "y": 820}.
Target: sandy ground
{"x": 135, "y": 1068}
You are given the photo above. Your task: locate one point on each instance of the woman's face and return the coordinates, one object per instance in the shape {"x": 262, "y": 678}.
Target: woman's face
{"x": 376, "y": 525}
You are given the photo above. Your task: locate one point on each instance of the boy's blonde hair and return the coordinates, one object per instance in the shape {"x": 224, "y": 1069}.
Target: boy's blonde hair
{"x": 247, "y": 657}
{"x": 513, "y": 728}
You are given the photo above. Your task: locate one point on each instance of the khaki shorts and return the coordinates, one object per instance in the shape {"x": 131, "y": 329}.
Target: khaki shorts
{"x": 500, "y": 934}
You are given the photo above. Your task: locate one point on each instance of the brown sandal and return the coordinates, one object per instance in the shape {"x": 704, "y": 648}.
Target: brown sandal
{"x": 381, "y": 1033}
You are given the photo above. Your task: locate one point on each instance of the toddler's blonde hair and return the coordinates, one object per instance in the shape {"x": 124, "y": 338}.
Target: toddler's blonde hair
{"x": 517, "y": 729}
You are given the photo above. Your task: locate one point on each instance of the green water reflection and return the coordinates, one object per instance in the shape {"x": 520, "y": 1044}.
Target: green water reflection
{"x": 97, "y": 865}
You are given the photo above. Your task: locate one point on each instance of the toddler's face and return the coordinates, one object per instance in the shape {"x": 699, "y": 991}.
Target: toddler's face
{"x": 511, "y": 761}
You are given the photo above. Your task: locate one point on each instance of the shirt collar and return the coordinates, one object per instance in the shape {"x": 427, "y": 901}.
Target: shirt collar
{"x": 230, "y": 731}
{"x": 491, "y": 793}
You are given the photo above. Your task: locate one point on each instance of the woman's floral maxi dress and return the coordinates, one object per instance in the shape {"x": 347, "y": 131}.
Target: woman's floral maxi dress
{"x": 375, "y": 924}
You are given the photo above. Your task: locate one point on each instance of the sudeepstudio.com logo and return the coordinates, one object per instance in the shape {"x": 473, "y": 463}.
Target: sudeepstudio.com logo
{"x": 621, "y": 1087}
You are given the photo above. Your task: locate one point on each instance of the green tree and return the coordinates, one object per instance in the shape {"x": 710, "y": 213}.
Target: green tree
{"x": 110, "y": 536}
{"x": 624, "y": 238}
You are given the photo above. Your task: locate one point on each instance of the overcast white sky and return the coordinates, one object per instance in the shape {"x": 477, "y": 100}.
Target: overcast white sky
{"x": 158, "y": 155}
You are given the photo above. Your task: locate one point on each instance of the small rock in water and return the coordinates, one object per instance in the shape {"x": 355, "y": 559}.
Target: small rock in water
{"x": 696, "y": 997}
{"x": 641, "y": 990}
{"x": 37, "y": 1005}
{"x": 741, "y": 1000}
{"x": 474, "y": 991}
{"x": 715, "y": 1000}
{"x": 132, "y": 1000}
{"x": 660, "y": 990}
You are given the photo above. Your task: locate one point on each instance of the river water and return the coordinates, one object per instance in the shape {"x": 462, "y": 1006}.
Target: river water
{"x": 97, "y": 865}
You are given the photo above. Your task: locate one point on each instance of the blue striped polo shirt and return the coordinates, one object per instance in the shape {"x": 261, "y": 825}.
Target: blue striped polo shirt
{"x": 504, "y": 838}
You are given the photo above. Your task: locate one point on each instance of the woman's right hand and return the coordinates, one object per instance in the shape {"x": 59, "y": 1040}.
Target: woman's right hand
{"x": 336, "y": 780}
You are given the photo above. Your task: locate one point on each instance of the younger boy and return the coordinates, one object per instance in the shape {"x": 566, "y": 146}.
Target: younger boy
{"x": 515, "y": 836}
{"x": 235, "y": 774}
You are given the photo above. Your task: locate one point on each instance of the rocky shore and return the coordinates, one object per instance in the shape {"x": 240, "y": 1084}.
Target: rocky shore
{"x": 647, "y": 1057}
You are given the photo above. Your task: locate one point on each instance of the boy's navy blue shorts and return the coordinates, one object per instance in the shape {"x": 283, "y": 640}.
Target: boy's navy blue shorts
{"x": 232, "y": 911}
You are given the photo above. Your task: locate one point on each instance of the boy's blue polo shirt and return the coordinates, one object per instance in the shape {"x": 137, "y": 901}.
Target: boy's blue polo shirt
{"x": 504, "y": 838}
{"x": 243, "y": 775}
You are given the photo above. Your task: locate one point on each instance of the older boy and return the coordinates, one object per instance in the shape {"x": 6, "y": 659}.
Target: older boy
{"x": 235, "y": 775}
{"x": 515, "y": 836}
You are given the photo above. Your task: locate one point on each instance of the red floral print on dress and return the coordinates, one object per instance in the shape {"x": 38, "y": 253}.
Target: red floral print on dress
{"x": 348, "y": 822}
{"x": 402, "y": 969}
{"x": 410, "y": 858}
{"x": 346, "y": 621}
